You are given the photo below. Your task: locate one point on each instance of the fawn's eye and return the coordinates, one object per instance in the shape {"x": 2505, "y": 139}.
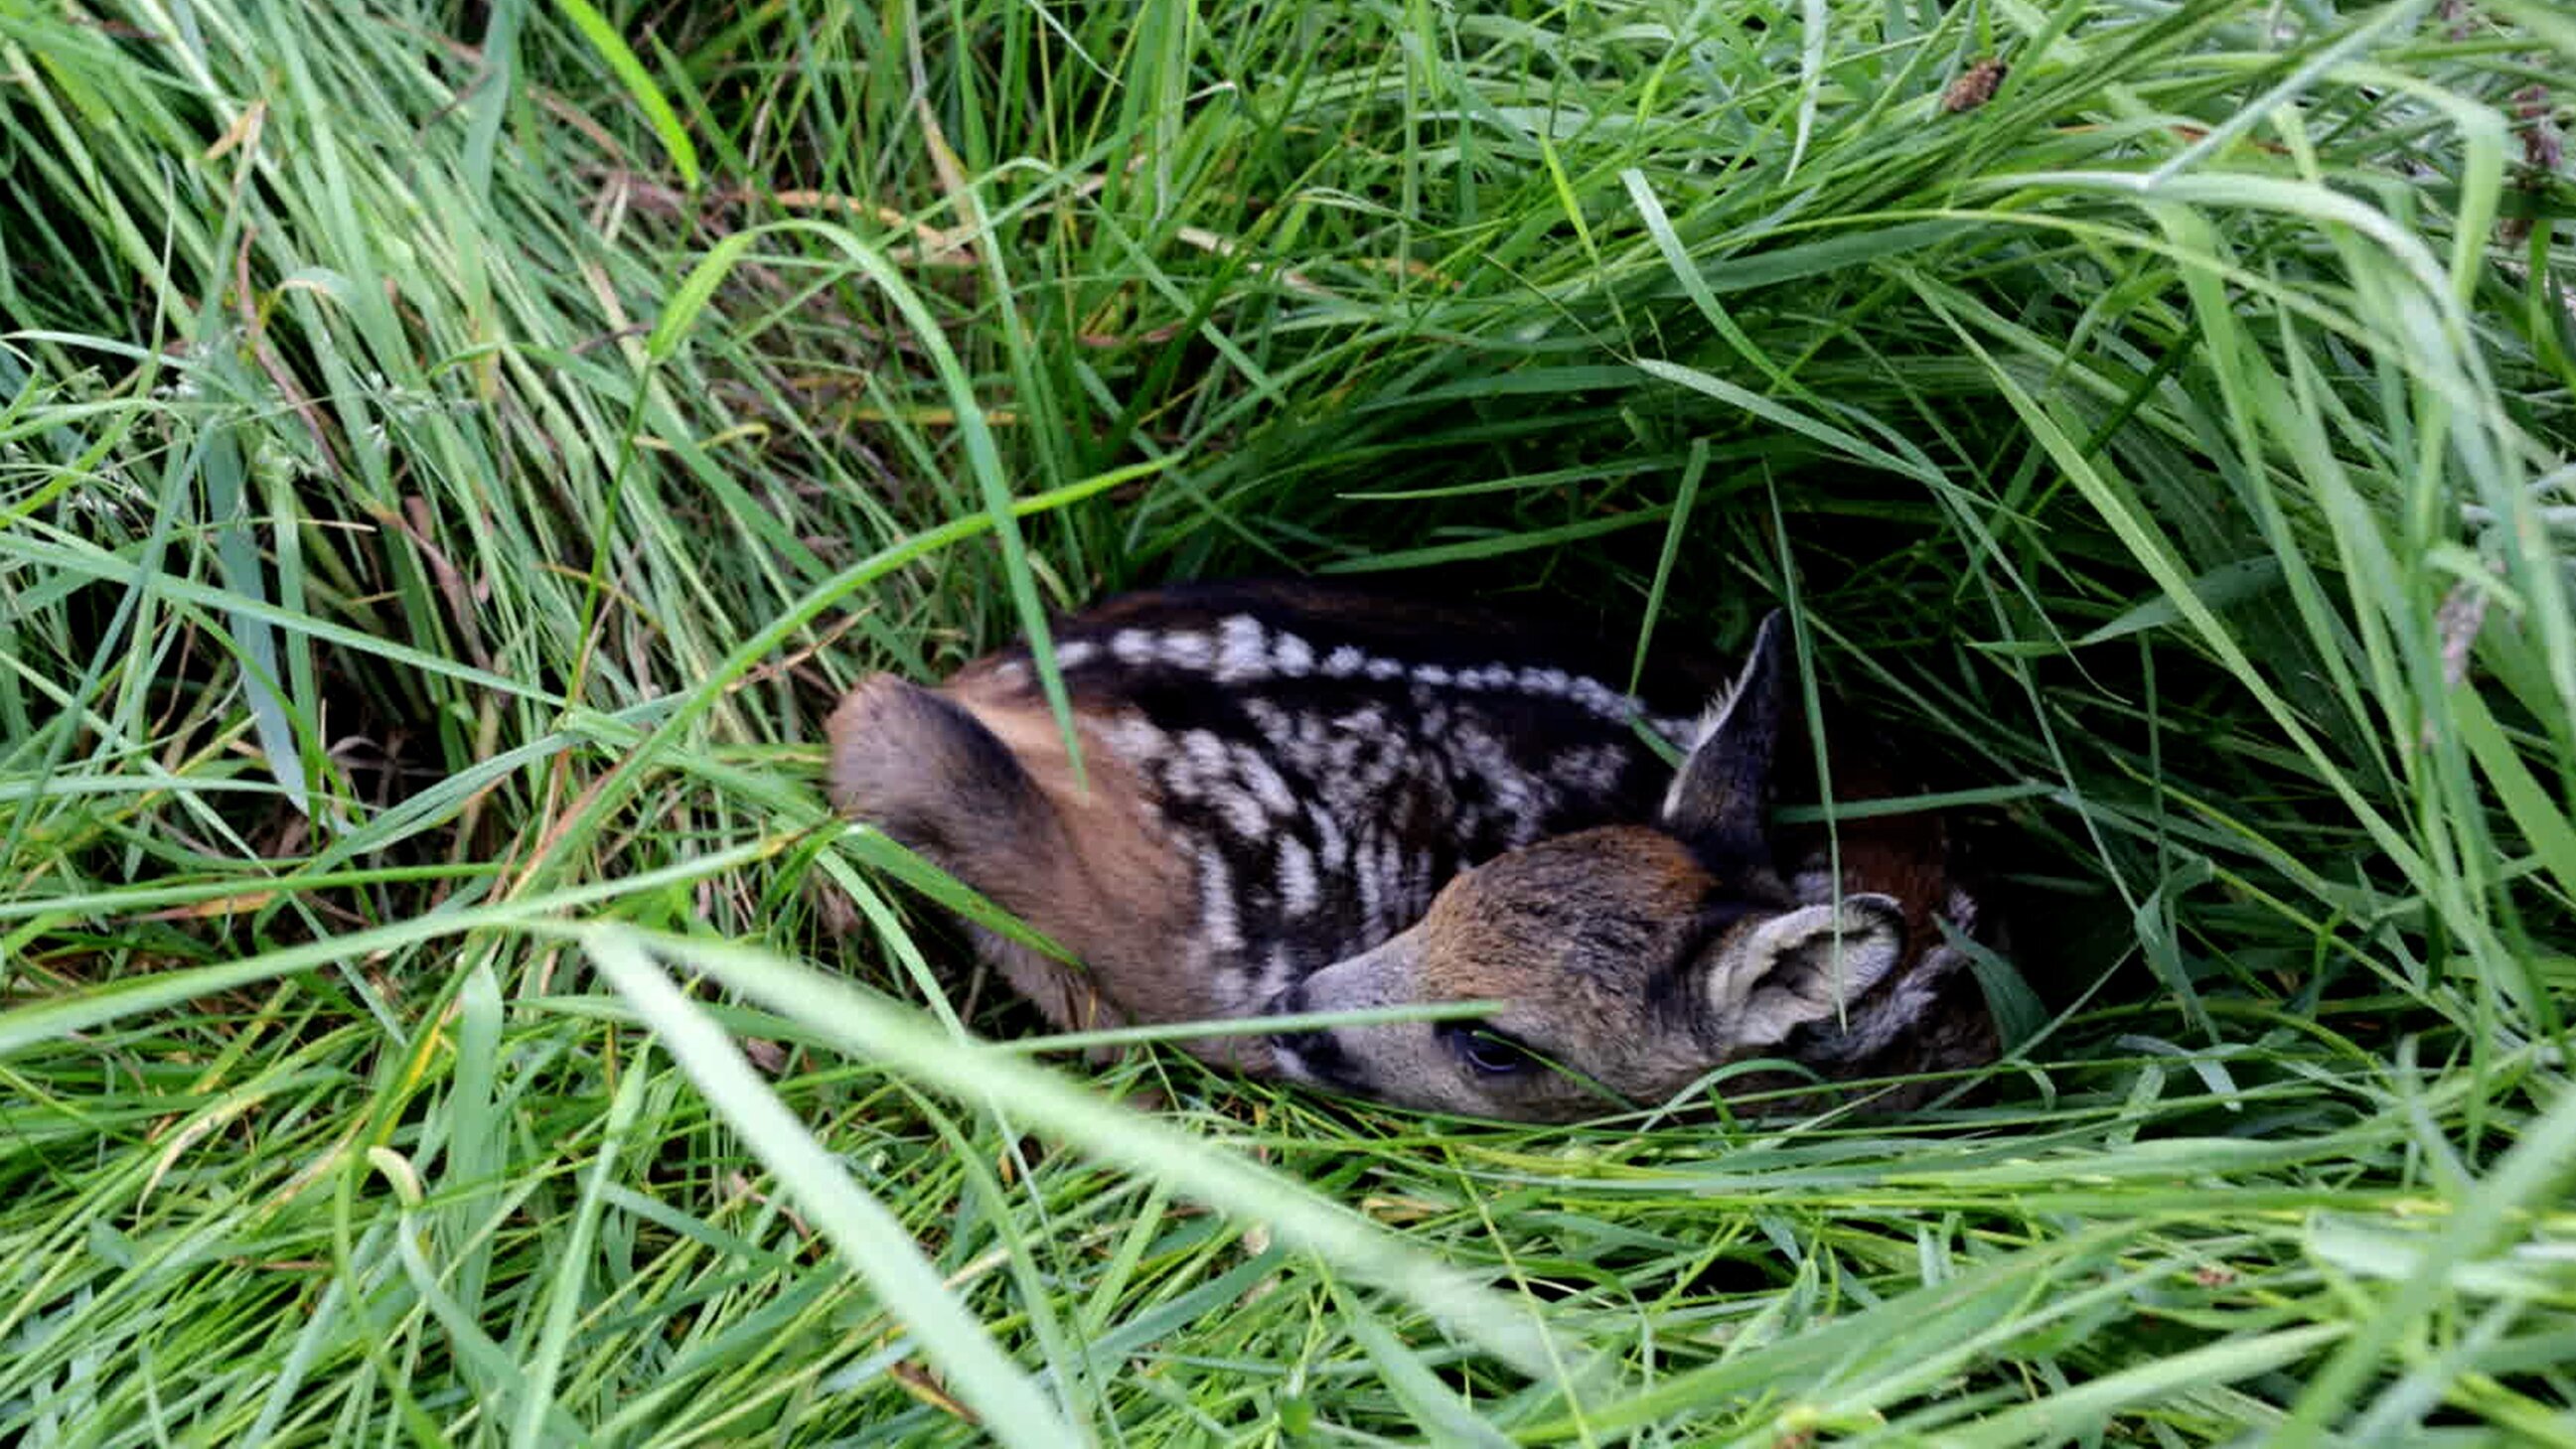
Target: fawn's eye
{"x": 1487, "y": 1051}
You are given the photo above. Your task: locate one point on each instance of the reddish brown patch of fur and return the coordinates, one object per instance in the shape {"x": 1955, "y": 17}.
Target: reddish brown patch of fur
{"x": 1116, "y": 886}
{"x": 1906, "y": 855}
{"x": 1089, "y": 866}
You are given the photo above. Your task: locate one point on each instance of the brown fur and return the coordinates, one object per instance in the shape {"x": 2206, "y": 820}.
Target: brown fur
{"x": 1089, "y": 867}
{"x": 1906, "y": 855}
{"x": 1629, "y": 960}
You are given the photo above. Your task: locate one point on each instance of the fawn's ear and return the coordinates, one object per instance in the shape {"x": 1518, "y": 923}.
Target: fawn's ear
{"x": 920, "y": 767}
{"x": 1798, "y": 968}
{"x": 1719, "y": 803}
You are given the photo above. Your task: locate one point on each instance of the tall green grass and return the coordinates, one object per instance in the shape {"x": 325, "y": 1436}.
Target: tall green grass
{"x": 451, "y": 456}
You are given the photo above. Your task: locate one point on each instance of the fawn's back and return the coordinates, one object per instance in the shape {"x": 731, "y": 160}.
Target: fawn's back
{"x": 1299, "y": 796}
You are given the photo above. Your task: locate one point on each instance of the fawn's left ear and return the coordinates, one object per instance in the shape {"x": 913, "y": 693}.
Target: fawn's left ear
{"x": 1720, "y": 800}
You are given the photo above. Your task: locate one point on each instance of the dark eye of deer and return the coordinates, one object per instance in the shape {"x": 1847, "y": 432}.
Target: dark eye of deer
{"x": 1486, "y": 1051}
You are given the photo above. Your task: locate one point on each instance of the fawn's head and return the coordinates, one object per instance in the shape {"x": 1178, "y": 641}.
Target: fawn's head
{"x": 1628, "y": 961}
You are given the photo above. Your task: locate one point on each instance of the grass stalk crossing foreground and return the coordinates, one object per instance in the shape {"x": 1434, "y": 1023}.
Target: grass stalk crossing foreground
{"x": 451, "y": 456}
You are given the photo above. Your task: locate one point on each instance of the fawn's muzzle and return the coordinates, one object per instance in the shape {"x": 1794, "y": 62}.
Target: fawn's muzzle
{"x": 1314, "y": 1056}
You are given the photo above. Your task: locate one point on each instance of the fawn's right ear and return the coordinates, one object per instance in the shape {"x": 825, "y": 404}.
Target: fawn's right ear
{"x": 1799, "y": 968}
{"x": 1720, "y": 800}
{"x": 921, "y": 768}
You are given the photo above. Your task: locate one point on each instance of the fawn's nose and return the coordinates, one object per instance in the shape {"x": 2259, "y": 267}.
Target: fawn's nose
{"x": 1316, "y": 1054}
{"x": 1287, "y": 1003}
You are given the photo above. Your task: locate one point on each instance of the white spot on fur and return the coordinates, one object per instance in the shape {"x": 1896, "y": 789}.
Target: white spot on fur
{"x": 1293, "y": 657}
{"x": 1552, "y": 683}
{"x": 1216, "y": 903}
{"x": 1206, "y": 754}
{"x": 1074, "y": 653}
{"x": 1134, "y": 739}
{"x": 1512, "y": 793}
{"x": 1184, "y": 650}
{"x": 1297, "y": 884}
{"x": 1382, "y": 668}
{"x": 1195, "y": 766}
{"x": 1433, "y": 675}
{"x": 1242, "y": 651}
{"x": 1345, "y": 661}
{"x": 1372, "y": 886}
{"x": 1591, "y": 770}
{"x": 1599, "y": 698}
{"x": 1243, "y": 814}
{"x": 1333, "y": 848}
{"x": 1272, "y": 721}
{"x": 1368, "y": 722}
{"x": 1277, "y": 972}
{"x": 1254, "y": 771}
{"x": 1132, "y": 647}
{"x": 1961, "y": 908}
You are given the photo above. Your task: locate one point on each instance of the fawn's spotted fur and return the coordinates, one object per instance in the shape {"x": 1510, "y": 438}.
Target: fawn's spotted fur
{"x": 1307, "y": 798}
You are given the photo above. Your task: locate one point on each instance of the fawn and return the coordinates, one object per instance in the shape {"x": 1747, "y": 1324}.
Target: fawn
{"x": 1303, "y": 798}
